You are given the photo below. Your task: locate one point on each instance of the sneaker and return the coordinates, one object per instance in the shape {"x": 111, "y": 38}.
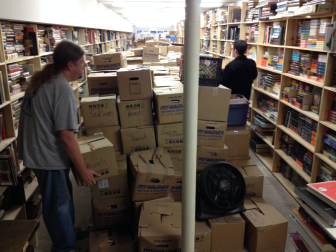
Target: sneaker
{"x": 79, "y": 250}
{"x": 81, "y": 233}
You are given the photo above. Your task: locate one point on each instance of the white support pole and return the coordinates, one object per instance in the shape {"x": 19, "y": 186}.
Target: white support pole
{"x": 190, "y": 114}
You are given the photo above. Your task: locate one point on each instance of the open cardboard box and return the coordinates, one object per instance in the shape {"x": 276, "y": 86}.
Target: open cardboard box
{"x": 266, "y": 228}
{"x": 152, "y": 173}
{"x": 99, "y": 155}
{"x": 254, "y": 178}
{"x": 112, "y": 133}
{"x": 160, "y": 226}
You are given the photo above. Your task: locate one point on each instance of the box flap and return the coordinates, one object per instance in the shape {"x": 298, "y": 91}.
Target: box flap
{"x": 248, "y": 204}
{"x": 154, "y": 158}
{"x": 158, "y": 213}
{"x": 235, "y": 218}
{"x": 252, "y": 171}
{"x": 168, "y": 90}
{"x": 201, "y": 227}
{"x": 257, "y": 218}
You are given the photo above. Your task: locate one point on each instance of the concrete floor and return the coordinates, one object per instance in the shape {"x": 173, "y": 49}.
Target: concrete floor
{"x": 273, "y": 192}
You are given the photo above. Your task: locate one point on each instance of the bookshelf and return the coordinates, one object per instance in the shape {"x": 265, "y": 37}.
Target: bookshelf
{"x": 103, "y": 40}
{"x": 272, "y": 158}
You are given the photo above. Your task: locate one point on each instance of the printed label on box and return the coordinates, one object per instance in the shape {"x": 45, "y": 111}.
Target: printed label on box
{"x": 103, "y": 183}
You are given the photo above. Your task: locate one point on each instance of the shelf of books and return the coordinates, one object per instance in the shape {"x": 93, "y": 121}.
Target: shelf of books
{"x": 25, "y": 48}
{"x": 293, "y": 106}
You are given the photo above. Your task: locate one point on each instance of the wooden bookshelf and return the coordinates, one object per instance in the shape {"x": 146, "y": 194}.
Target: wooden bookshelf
{"x": 271, "y": 160}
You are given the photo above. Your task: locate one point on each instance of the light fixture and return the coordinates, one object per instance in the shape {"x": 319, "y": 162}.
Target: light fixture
{"x": 210, "y": 4}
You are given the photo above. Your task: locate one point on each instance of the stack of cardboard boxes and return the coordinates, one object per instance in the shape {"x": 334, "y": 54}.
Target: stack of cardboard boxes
{"x": 145, "y": 192}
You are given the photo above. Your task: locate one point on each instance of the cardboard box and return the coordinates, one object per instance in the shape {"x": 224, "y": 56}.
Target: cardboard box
{"x": 102, "y": 83}
{"x": 169, "y": 108}
{"x": 109, "y": 61}
{"x": 211, "y": 134}
{"x": 122, "y": 240}
{"x": 237, "y": 139}
{"x": 266, "y": 228}
{"x": 112, "y": 187}
{"x": 134, "y": 61}
{"x": 176, "y": 188}
{"x": 138, "y": 52}
{"x": 163, "y": 50}
{"x": 213, "y": 103}
{"x": 227, "y": 233}
{"x": 254, "y": 178}
{"x": 160, "y": 226}
{"x": 112, "y": 212}
{"x": 168, "y": 135}
{"x": 99, "y": 155}
{"x": 138, "y": 139}
{"x": 202, "y": 237}
{"x": 209, "y": 155}
{"x": 153, "y": 174}
{"x": 99, "y": 111}
{"x": 135, "y": 113}
{"x": 137, "y": 205}
{"x": 176, "y": 155}
{"x": 134, "y": 84}
{"x": 151, "y": 43}
{"x": 176, "y": 49}
{"x": 151, "y": 54}
{"x": 112, "y": 133}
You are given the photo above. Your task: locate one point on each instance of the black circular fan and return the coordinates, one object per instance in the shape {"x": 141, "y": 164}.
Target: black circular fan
{"x": 222, "y": 188}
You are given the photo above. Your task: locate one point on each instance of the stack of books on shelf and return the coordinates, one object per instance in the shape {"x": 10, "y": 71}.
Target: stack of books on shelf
{"x": 8, "y": 171}
{"x": 13, "y": 40}
{"x": 313, "y": 33}
{"x": 270, "y": 82}
{"x": 233, "y": 32}
{"x": 326, "y": 173}
{"x": 287, "y": 144}
{"x": 2, "y": 90}
{"x": 215, "y": 33}
{"x": 279, "y": 65}
{"x": 294, "y": 63}
{"x": 54, "y": 36}
{"x": 252, "y": 33}
{"x": 329, "y": 141}
{"x": 324, "y": 2}
{"x": 252, "y": 53}
{"x": 62, "y": 32}
{"x": 319, "y": 62}
{"x": 287, "y": 8}
{"x": 266, "y": 9}
{"x": 274, "y": 34}
{"x": 34, "y": 205}
{"x": 332, "y": 111}
{"x": 303, "y": 33}
{"x": 223, "y": 48}
{"x": 16, "y": 109}
{"x": 269, "y": 107}
{"x": 258, "y": 145}
{"x": 315, "y": 219}
{"x": 271, "y": 58}
{"x": 303, "y": 157}
{"x": 19, "y": 74}
{"x": 209, "y": 19}
{"x": 223, "y": 32}
{"x": 87, "y": 36}
{"x": 220, "y": 16}
{"x": 41, "y": 39}
{"x": 302, "y": 125}
{"x": 203, "y": 21}
{"x": 252, "y": 12}
{"x": 262, "y": 127}
{"x": 231, "y": 50}
{"x": 284, "y": 169}
{"x": 75, "y": 37}
{"x": 46, "y": 60}
{"x": 296, "y": 179}
{"x": 305, "y": 63}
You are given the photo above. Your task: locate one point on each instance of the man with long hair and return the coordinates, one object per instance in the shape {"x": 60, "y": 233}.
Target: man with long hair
{"x": 47, "y": 141}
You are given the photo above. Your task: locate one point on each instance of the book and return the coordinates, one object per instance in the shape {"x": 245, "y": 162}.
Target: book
{"x": 297, "y": 242}
{"x": 325, "y": 191}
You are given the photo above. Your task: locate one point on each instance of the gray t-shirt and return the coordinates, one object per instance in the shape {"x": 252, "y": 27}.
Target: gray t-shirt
{"x": 53, "y": 108}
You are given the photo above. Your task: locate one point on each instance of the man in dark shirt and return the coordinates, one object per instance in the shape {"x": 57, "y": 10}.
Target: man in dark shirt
{"x": 239, "y": 74}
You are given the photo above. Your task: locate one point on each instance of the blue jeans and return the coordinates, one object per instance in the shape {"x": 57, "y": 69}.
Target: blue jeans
{"x": 58, "y": 207}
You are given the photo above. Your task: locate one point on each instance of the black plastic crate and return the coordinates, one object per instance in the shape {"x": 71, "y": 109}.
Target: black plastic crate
{"x": 209, "y": 71}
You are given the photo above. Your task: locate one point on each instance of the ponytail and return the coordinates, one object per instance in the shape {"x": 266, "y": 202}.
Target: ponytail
{"x": 65, "y": 52}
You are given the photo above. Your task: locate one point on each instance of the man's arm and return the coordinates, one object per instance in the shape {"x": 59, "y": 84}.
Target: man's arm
{"x": 72, "y": 149}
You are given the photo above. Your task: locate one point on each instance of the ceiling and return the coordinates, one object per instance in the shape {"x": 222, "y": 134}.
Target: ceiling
{"x": 152, "y": 13}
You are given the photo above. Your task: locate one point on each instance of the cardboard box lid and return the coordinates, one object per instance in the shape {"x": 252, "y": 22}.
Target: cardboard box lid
{"x": 230, "y": 219}
{"x": 95, "y": 142}
{"x": 248, "y": 168}
{"x": 269, "y": 216}
{"x": 132, "y": 69}
{"x": 97, "y": 97}
{"x": 168, "y": 90}
{"x": 153, "y": 161}
{"x": 160, "y": 213}
{"x": 201, "y": 227}
{"x": 134, "y": 58}
{"x": 234, "y": 130}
